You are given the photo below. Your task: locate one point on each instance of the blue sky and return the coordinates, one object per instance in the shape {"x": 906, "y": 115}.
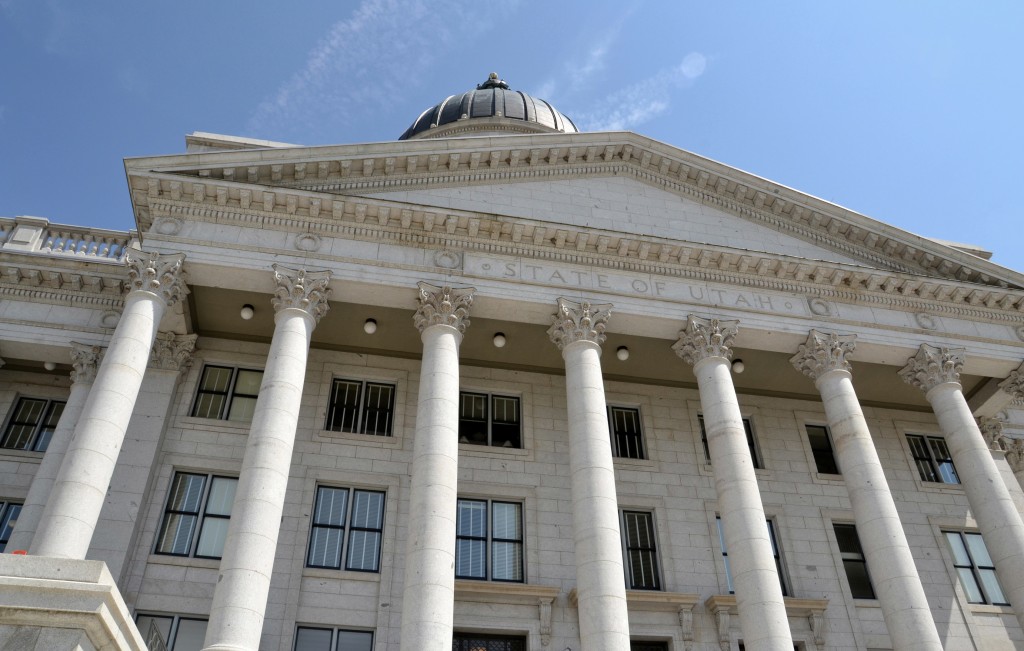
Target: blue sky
{"x": 908, "y": 112}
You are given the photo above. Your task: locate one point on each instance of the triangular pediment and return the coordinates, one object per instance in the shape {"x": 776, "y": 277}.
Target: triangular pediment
{"x": 617, "y": 204}
{"x": 648, "y": 190}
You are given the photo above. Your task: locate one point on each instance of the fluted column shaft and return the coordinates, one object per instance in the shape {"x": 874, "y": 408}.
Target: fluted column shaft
{"x": 247, "y": 562}
{"x": 84, "y": 360}
{"x": 937, "y": 372}
{"x": 428, "y": 599}
{"x": 886, "y": 550}
{"x": 600, "y": 578}
{"x": 76, "y": 498}
{"x": 706, "y": 343}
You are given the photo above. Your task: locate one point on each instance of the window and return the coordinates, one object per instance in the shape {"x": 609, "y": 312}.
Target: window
{"x": 641, "y": 551}
{"x": 932, "y": 458}
{"x": 363, "y": 511}
{"x": 775, "y": 553}
{"x": 361, "y": 407}
{"x": 478, "y": 642}
{"x": 627, "y": 439}
{"x": 975, "y": 568}
{"x": 195, "y": 520}
{"x": 648, "y": 646}
{"x": 178, "y": 633}
{"x": 9, "y": 512}
{"x": 754, "y": 456}
{"x": 486, "y": 419}
{"x": 821, "y": 446}
{"x": 227, "y": 393}
{"x": 853, "y": 561}
{"x": 332, "y": 639}
{"x": 32, "y": 423}
{"x": 492, "y": 552}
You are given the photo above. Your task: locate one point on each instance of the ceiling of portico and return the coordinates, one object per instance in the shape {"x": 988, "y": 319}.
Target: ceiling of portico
{"x": 215, "y": 313}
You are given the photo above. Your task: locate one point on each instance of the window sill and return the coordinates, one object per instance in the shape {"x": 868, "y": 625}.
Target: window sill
{"x": 652, "y": 600}
{"x": 490, "y": 591}
{"x": 647, "y": 464}
{"x": 829, "y": 478}
{"x": 990, "y": 609}
{"x": 794, "y": 607}
{"x": 371, "y": 440}
{"x": 866, "y": 603}
{"x": 489, "y": 450}
{"x": 20, "y": 455}
{"x": 216, "y": 423}
{"x": 339, "y": 575}
{"x": 184, "y": 561}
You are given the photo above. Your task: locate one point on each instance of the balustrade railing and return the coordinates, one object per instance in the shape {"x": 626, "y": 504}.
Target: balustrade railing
{"x": 34, "y": 235}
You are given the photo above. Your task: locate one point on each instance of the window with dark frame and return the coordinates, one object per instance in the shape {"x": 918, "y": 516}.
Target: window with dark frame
{"x": 775, "y": 553}
{"x": 975, "y": 569}
{"x": 308, "y": 638}
{"x": 178, "y": 632}
{"x": 31, "y": 424}
{"x": 488, "y": 419}
{"x": 821, "y": 447}
{"x": 196, "y": 515}
{"x": 227, "y": 393}
{"x": 640, "y": 547}
{"x": 854, "y": 563}
{"x": 338, "y": 509}
{"x": 489, "y": 540}
{"x": 931, "y": 455}
{"x": 481, "y": 642}
{"x": 648, "y": 646}
{"x": 751, "y": 443}
{"x": 9, "y": 512}
{"x": 361, "y": 407}
{"x": 627, "y": 435}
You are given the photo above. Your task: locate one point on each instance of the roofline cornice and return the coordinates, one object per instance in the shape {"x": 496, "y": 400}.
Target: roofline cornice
{"x": 382, "y": 167}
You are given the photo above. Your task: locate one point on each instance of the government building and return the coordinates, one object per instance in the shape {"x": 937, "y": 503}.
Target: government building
{"x": 500, "y": 385}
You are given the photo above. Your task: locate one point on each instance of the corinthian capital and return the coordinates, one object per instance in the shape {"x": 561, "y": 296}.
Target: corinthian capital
{"x": 84, "y": 362}
{"x": 299, "y": 289}
{"x": 172, "y": 353}
{"x": 157, "y": 274}
{"x": 583, "y": 321}
{"x": 992, "y": 431}
{"x": 1014, "y": 453}
{"x": 1014, "y": 383}
{"x": 443, "y": 306}
{"x": 932, "y": 366}
{"x": 823, "y": 352}
{"x": 703, "y": 338}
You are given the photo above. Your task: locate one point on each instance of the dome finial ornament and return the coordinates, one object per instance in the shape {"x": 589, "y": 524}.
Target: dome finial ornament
{"x": 493, "y": 81}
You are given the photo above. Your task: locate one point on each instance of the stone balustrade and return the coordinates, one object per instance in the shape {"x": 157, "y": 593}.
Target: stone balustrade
{"x": 38, "y": 235}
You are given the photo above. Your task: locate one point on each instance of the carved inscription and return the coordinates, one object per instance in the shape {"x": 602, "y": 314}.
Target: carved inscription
{"x": 632, "y": 284}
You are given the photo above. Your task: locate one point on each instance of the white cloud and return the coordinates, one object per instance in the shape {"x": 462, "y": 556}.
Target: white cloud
{"x": 375, "y": 54}
{"x": 644, "y": 100}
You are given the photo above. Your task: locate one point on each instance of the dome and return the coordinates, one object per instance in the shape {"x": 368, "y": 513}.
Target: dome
{"x": 493, "y": 108}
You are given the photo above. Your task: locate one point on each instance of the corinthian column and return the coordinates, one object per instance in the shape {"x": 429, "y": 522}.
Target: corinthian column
{"x": 706, "y": 344}
{"x": 240, "y": 598}
{"x": 428, "y": 600}
{"x": 69, "y": 519}
{"x": 936, "y": 371}
{"x": 578, "y": 331}
{"x": 893, "y": 573}
{"x": 84, "y": 360}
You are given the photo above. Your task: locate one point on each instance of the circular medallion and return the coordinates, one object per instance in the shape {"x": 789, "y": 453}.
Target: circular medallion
{"x": 110, "y": 319}
{"x": 307, "y": 242}
{"x": 819, "y": 307}
{"x": 926, "y": 321}
{"x": 447, "y": 259}
{"x": 168, "y": 225}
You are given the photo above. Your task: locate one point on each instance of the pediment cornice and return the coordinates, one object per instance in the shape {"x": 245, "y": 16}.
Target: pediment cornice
{"x": 380, "y": 220}
{"x": 61, "y": 281}
{"x": 382, "y": 167}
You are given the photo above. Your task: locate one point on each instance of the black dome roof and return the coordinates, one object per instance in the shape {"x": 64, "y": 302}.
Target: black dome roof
{"x": 496, "y": 107}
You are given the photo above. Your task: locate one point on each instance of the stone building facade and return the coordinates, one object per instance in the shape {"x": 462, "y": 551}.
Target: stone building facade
{"x": 509, "y": 384}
